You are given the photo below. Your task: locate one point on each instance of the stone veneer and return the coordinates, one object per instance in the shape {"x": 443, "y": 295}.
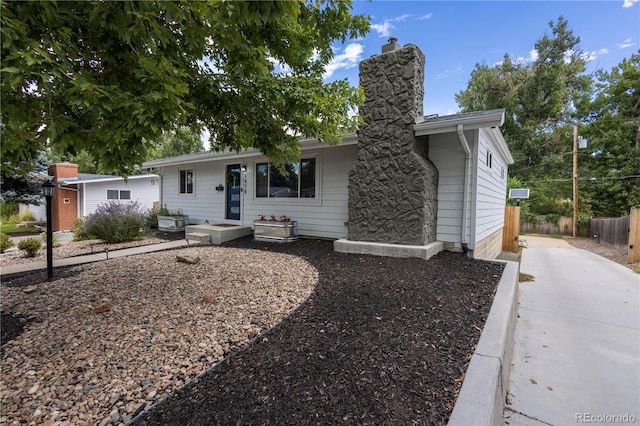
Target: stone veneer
{"x": 392, "y": 185}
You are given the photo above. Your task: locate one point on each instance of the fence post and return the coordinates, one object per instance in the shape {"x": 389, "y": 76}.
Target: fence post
{"x": 511, "y": 230}
{"x": 634, "y": 235}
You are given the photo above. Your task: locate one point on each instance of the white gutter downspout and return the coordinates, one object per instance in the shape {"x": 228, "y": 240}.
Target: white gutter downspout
{"x": 465, "y": 194}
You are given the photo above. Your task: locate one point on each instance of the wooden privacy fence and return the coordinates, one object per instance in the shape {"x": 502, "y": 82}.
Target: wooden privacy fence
{"x": 564, "y": 226}
{"x": 634, "y": 235}
{"x": 511, "y": 230}
{"x": 614, "y": 231}
{"x": 623, "y": 232}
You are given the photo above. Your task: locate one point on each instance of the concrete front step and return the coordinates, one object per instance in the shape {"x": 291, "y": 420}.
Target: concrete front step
{"x": 200, "y": 237}
{"x": 219, "y": 233}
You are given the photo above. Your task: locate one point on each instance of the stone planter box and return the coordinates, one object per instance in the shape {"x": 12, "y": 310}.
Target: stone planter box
{"x": 172, "y": 223}
{"x": 268, "y": 230}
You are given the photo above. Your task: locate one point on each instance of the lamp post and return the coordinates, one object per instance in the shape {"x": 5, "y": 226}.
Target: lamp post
{"x": 48, "y": 189}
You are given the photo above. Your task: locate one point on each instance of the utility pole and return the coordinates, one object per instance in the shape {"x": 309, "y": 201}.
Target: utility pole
{"x": 575, "y": 179}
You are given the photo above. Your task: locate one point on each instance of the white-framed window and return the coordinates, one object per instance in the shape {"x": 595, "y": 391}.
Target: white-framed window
{"x": 300, "y": 180}
{"x": 118, "y": 194}
{"x": 489, "y": 159}
{"x": 186, "y": 182}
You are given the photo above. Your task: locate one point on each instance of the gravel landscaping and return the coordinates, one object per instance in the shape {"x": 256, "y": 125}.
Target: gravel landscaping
{"x": 104, "y": 341}
{"x": 371, "y": 340}
{"x": 368, "y": 340}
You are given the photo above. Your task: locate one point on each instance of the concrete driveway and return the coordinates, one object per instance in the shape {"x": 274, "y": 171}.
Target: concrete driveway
{"x": 576, "y": 352}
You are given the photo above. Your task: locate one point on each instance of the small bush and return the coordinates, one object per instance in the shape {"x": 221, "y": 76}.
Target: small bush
{"x": 151, "y": 220}
{"x": 30, "y": 246}
{"x": 7, "y": 210}
{"x": 5, "y": 242}
{"x": 115, "y": 222}
{"x": 78, "y": 231}
{"x": 26, "y": 215}
{"x": 54, "y": 239}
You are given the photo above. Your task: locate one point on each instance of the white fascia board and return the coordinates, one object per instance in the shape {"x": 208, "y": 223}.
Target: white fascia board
{"x": 305, "y": 144}
{"x": 501, "y": 144}
{"x": 470, "y": 121}
{"x": 74, "y": 181}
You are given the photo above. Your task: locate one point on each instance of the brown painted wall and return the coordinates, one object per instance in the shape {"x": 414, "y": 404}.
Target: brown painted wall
{"x": 65, "y": 201}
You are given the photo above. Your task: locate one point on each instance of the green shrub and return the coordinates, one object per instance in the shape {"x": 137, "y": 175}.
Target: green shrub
{"x": 26, "y": 215}
{"x": 7, "y": 210}
{"x": 78, "y": 231}
{"x": 151, "y": 219}
{"x": 115, "y": 222}
{"x": 30, "y": 246}
{"x": 54, "y": 239}
{"x": 5, "y": 242}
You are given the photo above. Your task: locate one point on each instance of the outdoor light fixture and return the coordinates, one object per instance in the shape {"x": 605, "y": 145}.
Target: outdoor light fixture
{"x": 48, "y": 190}
{"x": 244, "y": 169}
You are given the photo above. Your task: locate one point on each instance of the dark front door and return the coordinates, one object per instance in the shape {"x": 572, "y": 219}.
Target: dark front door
{"x": 234, "y": 174}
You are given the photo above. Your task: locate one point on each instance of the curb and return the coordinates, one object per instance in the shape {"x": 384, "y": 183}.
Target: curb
{"x": 484, "y": 390}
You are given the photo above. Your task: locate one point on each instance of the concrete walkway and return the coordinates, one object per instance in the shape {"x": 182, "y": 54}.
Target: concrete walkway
{"x": 78, "y": 260}
{"x": 576, "y": 355}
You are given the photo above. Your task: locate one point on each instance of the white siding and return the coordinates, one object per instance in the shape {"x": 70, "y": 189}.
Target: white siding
{"x": 95, "y": 193}
{"x": 446, "y": 153}
{"x": 491, "y": 188}
{"x": 205, "y": 203}
{"x": 324, "y": 216}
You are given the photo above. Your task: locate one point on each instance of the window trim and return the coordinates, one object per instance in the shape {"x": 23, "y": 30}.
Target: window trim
{"x": 119, "y": 194}
{"x": 316, "y": 201}
{"x": 185, "y": 194}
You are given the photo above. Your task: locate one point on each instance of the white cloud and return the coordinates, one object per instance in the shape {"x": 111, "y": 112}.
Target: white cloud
{"x": 350, "y": 58}
{"x": 625, "y": 44}
{"x": 401, "y": 18}
{"x": 629, "y": 3}
{"x": 447, "y": 73}
{"x": 533, "y": 55}
{"x": 384, "y": 29}
{"x": 424, "y": 17}
{"x": 594, "y": 54}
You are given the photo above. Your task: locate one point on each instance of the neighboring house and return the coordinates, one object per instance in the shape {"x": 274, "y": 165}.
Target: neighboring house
{"x": 404, "y": 179}
{"x": 79, "y": 194}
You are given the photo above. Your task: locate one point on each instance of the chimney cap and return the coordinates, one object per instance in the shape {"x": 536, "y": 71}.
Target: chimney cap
{"x": 391, "y": 45}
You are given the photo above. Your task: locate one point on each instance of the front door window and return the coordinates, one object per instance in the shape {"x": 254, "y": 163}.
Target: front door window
{"x": 234, "y": 175}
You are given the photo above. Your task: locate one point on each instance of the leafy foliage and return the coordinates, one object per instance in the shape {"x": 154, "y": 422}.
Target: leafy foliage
{"x": 21, "y": 182}
{"x": 79, "y": 232}
{"x": 5, "y": 242}
{"x": 7, "y": 210}
{"x": 30, "y": 246}
{"x": 110, "y": 77}
{"x": 544, "y": 99}
{"x": 181, "y": 141}
{"x": 610, "y": 168}
{"x": 115, "y": 222}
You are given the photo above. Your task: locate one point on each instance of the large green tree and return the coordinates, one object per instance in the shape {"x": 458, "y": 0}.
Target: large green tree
{"x": 110, "y": 77}
{"x": 610, "y": 167}
{"x": 542, "y": 98}
{"x": 181, "y": 141}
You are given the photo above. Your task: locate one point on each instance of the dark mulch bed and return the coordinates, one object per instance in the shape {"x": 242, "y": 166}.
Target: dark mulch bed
{"x": 380, "y": 341}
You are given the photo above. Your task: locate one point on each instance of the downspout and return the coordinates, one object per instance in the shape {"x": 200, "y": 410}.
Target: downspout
{"x": 465, "y": 194}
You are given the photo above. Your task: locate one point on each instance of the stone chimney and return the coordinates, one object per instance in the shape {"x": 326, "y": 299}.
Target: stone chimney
{"x": 64, "y": 205}
{"x": 392, "y": 184}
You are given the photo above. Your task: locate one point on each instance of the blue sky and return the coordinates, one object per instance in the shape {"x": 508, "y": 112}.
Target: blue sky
{"x": 455, "y": 35}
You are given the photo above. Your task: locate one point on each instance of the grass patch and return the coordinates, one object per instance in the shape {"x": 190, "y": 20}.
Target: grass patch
{"x": 9, "y": 228}
{"x": 525, "y": 278}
